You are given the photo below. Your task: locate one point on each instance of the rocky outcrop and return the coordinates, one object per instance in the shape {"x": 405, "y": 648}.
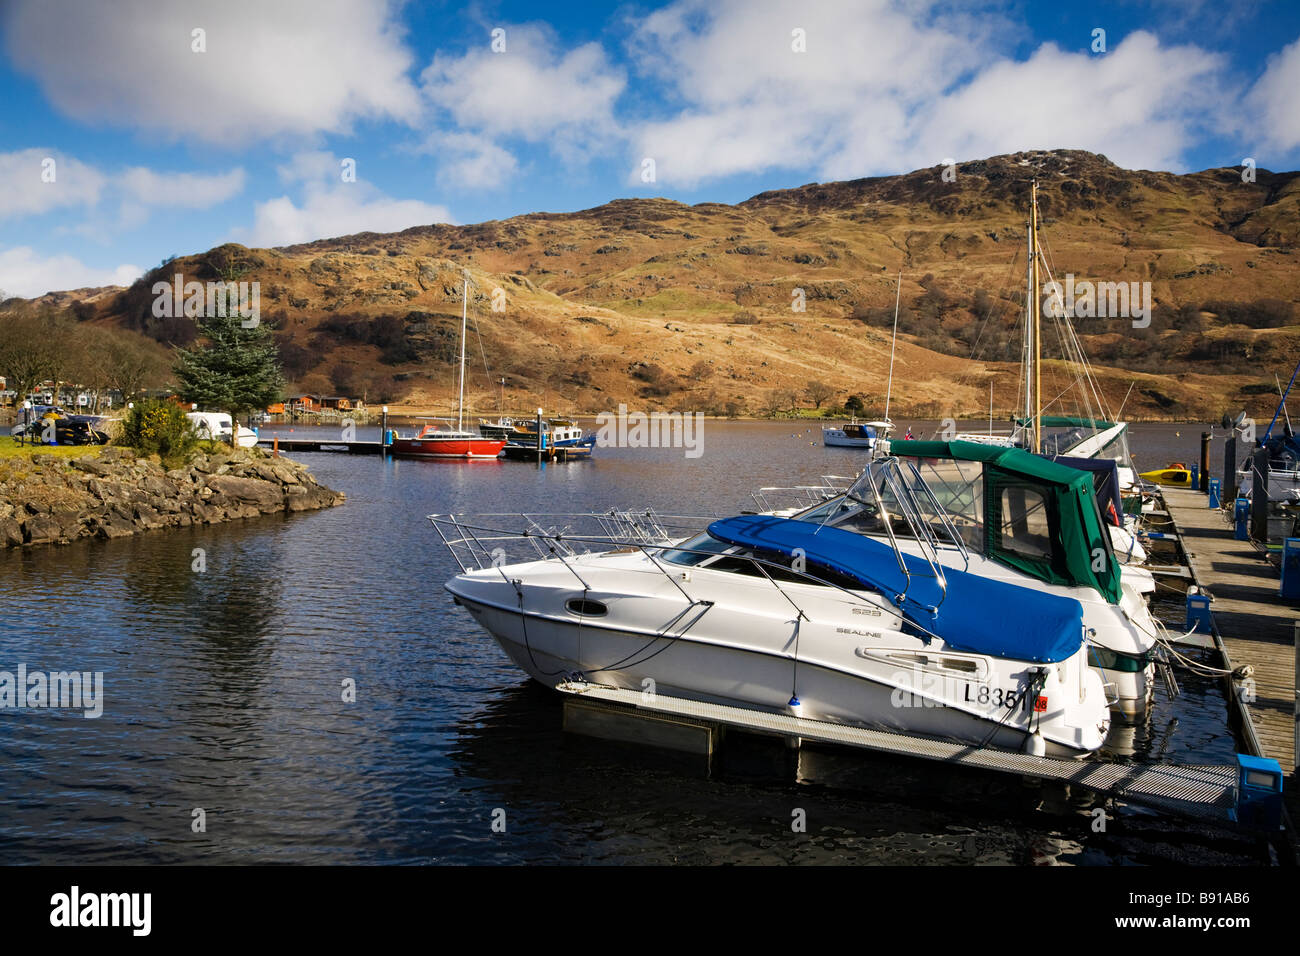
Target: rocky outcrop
{"x": 52, "y": 500}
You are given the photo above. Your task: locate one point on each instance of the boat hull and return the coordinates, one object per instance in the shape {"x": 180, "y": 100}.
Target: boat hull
{"x": 741, "y": 651}
{"x": 464, "y": 448}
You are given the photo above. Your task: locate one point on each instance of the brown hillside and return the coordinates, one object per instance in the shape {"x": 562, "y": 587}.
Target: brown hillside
{"x": 660, "y": 304}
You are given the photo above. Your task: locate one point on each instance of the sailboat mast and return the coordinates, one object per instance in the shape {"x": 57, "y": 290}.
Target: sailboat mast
{"x": 1028, "y": 357}
{"x": 464, "y": 315}
{"x": 889, "y": 388}
{"x": 1037, "y": 318}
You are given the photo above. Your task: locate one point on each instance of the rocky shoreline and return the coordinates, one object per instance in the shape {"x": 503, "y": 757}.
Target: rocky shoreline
{"x": 47, "y": 499}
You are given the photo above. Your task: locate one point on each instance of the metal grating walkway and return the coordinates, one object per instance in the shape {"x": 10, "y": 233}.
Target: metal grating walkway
{"x": 1199, "y": 791}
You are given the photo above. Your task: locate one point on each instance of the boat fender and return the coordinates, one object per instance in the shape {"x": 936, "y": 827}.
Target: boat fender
{"x": 1035, "y": 746}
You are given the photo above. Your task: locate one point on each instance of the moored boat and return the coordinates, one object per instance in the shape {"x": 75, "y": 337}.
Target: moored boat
{"x": 433, "y": 441}
{"x": 437, "y": 441}
{"x": 855, "y": 434}
{"x": 879, "y": 608}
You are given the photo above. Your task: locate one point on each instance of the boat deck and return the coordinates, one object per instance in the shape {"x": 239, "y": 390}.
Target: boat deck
{"x": 1255, "y": 625}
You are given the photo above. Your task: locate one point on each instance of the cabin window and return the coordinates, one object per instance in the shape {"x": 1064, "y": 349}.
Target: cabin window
{"x": 585, "y": 607}
{"x": 1025, "y": 531}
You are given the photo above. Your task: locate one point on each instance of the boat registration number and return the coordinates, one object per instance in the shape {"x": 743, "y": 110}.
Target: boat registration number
{"x": 1010, "y": 699}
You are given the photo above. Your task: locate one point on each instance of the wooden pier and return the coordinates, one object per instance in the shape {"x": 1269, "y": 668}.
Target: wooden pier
{"x": 1255, "y": 626}
{"x": 320, "y": 444}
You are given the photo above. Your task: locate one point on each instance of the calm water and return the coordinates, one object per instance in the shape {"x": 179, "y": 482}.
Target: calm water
{"x": 223, "y": 692}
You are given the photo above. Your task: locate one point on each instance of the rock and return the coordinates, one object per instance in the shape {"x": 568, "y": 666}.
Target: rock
{"x": 146, "y": 517}
{"x": 42, "y": 529}
{"x": 247, "y": 490}
{"x": 11, "y": 533}
{"x": 92, "y": 466}
{"x": 103, "y": 526}
{"x": 113, "y": 494}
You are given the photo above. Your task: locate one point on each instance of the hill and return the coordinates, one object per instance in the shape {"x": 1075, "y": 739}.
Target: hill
{"x": 664, "y": 305}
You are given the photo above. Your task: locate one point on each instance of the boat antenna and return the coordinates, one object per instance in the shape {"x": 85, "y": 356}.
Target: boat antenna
{"x": 889, "y": 388}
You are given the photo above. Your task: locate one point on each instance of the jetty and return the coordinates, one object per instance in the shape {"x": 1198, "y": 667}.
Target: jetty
{"x": 1254, "y": 626}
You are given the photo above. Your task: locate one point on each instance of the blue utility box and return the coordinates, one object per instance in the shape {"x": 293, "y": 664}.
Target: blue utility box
{"x": 1198, "y": 614}
{"x": 1259, "y": 792}
{"x": 1214, "y": 492}
{"x": 1241, "y": 519}
{"x": 1196, "y": 477}
{"x": 1290, "y": 586}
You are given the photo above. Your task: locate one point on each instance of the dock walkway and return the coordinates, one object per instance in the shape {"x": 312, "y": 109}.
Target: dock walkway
{"x": 1255, "y": 625}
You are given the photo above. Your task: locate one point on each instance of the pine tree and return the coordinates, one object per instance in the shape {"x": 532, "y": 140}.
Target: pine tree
{"x": 237, "y": 371}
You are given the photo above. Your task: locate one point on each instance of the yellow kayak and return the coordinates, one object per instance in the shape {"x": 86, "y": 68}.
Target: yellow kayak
{"x": 1176, "y": 474}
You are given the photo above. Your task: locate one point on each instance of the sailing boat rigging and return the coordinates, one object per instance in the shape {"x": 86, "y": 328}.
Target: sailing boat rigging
{"x": 437, "y": 441}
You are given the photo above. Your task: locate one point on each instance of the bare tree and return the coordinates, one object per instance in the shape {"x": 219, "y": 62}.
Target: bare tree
{"x": 818, "y": 392}
{"x": 33, "y": 346}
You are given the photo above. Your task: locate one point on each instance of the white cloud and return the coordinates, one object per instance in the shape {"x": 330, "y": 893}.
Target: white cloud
{"x": 1275, "y": 101}
{"x": 534, "y": 90}
{"x": 469, "y": 161}
{"x": 291, "y": 67}
{"x": 181, "y": 190}
{"x": 23, "y": 191}
{"x": 331, "y": 207}
{"x": 25, "y": 273}
{"x": 884, "y": 87}
{"x": 1141, "y": 105}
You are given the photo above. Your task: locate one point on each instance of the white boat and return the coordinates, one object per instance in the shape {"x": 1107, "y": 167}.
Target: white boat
{"x": 855, "y": 434}
{"x": 216, "y": 426}
{"x": 879, "y": 608}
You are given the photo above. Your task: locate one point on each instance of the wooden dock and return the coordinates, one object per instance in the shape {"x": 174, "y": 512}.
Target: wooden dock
{"x": 1254, "y": 624}
{"x": 320, "y": 444}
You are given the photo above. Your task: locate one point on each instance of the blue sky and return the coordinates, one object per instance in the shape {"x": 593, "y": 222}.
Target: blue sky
{"x": 166, "y": 142}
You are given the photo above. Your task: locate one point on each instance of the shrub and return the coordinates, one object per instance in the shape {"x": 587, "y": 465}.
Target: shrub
{"x": 157, "y": 427}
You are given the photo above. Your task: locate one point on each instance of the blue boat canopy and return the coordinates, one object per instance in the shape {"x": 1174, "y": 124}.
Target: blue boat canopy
{"x": 976, "y": 614}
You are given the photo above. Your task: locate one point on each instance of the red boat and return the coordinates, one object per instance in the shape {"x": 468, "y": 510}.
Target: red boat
{"x": 435, "y": 442}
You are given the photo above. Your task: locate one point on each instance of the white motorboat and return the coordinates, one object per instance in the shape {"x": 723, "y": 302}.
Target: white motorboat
{"x": 879, "y": 608}
{"x": 855, "y": 434}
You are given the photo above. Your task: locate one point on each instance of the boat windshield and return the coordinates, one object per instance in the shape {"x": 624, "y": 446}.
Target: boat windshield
{"x": 938, "y": 499}
{"x": 1061, "y": 442}
{"x": 706, "y": 551}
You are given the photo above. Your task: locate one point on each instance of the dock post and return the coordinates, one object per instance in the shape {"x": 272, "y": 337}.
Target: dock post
{"x": 275, "y": 447}
{"x": 383, "y": 432}
{"x": 1259, "y": 496}
{"x": 1289, "y": 585}
{"x": 1205, "y": 462}
{"x": 539, "y": 438}
{"x": 1230, "y": 467}
{"x": 1241, "y": 519}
